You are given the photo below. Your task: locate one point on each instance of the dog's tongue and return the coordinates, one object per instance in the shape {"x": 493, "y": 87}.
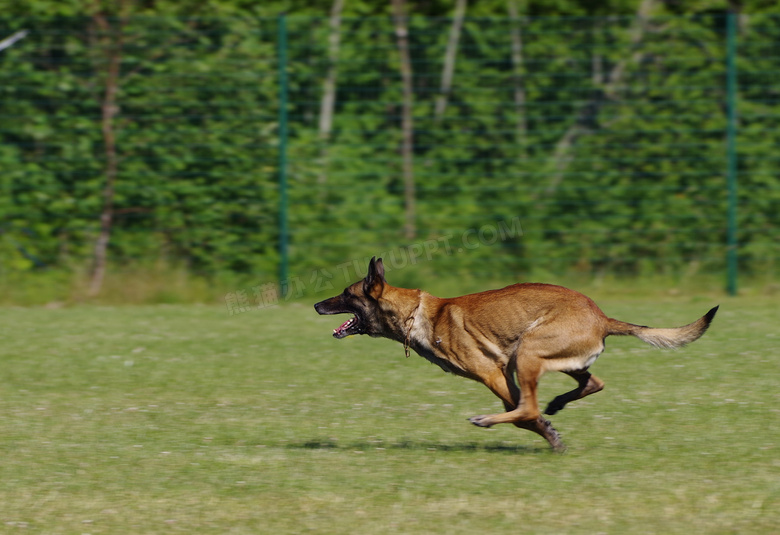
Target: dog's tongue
{"x": 344, "y": 326}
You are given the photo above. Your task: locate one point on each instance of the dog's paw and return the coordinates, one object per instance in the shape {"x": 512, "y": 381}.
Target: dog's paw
{"x": 481, "y": 421}
{"x": 553, "y": 408}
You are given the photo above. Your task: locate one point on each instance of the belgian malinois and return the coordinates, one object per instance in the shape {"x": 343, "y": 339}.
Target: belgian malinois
{"x": 523, "y": 330}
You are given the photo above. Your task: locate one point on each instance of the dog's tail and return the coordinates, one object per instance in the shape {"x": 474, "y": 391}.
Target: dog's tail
{"x": 664, "y": 338}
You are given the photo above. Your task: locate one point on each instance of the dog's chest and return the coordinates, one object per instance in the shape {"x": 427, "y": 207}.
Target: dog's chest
{"x": 429, "y": 346}
{"x": 429, "y": 354}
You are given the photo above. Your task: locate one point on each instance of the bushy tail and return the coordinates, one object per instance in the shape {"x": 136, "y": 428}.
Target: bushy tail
{"x": 664, "y": 338}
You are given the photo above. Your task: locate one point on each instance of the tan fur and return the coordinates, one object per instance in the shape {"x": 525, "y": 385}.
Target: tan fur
{"x": 522, "y": 331}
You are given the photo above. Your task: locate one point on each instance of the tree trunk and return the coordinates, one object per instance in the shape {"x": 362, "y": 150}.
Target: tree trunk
{"x": 8, "y": 42}
{"x": 407, "y": 124}
{"x": 329, "y": 87}
{"x": 449, "y": 59}
{"x": 111, "y": 43}
{"x": 517, "y": 74}
{"x": 560, "y": 157}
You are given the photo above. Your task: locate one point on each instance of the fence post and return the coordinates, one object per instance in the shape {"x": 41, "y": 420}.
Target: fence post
{"x": 731, "y": 151}
{"x": 283, "y": 231}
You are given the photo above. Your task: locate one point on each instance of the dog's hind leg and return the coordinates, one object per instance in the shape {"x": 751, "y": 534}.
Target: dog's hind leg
{"x": 587, "y": 384}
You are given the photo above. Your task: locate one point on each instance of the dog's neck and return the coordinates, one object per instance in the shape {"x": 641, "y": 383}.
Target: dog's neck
{"x": 403, "y": 318}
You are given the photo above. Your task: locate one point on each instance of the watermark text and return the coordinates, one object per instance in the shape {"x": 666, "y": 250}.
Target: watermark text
{"x": 321, "y": 280}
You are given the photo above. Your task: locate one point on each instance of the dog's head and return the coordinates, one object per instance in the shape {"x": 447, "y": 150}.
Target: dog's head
{"x": 361, "y": 300}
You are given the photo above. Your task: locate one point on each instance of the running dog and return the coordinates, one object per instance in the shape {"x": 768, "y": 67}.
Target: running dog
{"x": 523, "y": 330}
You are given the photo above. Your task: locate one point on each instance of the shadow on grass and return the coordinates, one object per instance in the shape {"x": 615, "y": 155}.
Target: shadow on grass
{"x": 414, "y": 445}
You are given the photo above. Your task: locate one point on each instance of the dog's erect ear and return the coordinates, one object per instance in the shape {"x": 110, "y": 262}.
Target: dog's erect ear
{"x": 376, "y": 268}
{"x": 374, "y": 283}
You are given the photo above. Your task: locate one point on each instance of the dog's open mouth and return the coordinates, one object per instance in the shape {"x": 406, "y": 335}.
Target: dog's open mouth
{"x": 349, "y": 327}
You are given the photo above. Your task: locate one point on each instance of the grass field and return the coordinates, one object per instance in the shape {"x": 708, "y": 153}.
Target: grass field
{"x": 160, "y": 419}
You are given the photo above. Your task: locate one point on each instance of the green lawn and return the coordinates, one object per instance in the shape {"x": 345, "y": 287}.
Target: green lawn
{"x": 185, "y": 419}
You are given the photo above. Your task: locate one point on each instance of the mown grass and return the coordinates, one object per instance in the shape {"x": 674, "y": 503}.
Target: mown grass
{"x": 184, "y": 419}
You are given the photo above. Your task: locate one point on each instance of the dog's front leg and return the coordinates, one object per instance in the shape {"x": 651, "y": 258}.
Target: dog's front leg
{"x": 544, "y": 428}
{"x": 527, "y": 408}
{"x": 506, "y": 389}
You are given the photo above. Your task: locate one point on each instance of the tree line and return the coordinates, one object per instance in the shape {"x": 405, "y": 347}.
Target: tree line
{"x": 133, "y": 134}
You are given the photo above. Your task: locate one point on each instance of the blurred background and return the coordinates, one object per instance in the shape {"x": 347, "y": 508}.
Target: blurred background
{"x": 252, "y": 153}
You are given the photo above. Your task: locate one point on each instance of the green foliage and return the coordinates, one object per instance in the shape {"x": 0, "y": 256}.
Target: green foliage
{"x": 619, "y": 167}
{"x": 614, "y": 161}
{"x": 194, "y": 134}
